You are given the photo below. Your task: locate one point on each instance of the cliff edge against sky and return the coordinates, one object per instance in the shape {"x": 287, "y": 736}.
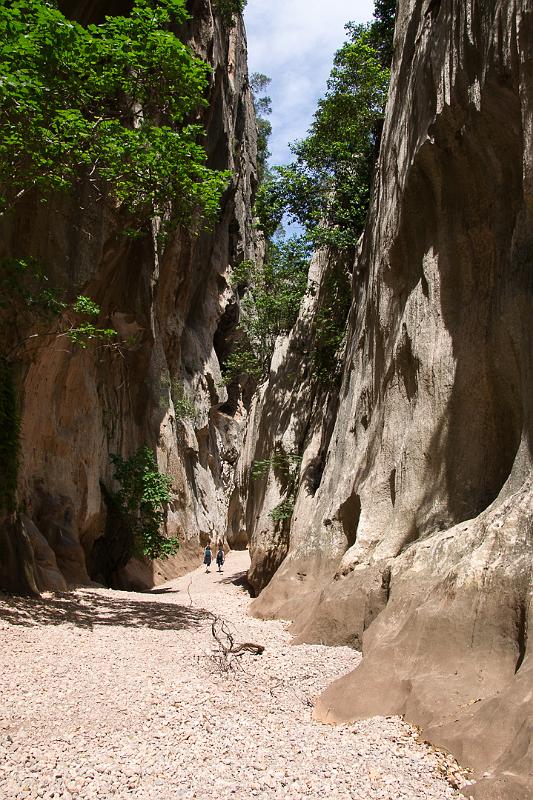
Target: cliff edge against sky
{"x": 411, "y": 533}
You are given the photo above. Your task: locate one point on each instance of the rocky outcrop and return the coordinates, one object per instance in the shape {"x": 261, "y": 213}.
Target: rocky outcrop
{"x": 288, "y": 430}
{"x": 417, "y": 542}
{"x": 173, "y": 310}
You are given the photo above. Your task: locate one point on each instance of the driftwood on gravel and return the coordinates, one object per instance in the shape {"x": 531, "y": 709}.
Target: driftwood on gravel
{"x": 227, "y": 650}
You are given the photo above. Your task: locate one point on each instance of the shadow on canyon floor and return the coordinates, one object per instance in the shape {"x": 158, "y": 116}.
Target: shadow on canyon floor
{"x": 238, "y": 579}
{"x": 91, "y": 609}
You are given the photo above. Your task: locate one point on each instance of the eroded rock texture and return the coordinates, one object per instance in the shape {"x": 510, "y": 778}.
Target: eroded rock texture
{"x": 288, "y": 431}
{"x": 175, "y": 313}
{"x": 418, "y": 540}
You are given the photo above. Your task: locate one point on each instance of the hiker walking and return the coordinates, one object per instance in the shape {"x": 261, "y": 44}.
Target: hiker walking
{"x": 220, "y": 557}
{"x": 208, "y": 556}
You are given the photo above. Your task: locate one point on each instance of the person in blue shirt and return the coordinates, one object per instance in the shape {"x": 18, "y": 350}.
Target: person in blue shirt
{"x": 208, "y": 557}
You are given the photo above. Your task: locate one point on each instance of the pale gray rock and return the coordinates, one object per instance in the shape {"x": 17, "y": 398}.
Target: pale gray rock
{"x": 47, "y": 573}
{"x": 417, "y": 542}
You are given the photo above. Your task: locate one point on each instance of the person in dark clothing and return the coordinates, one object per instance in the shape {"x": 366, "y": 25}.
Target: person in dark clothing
{"x": 208, "y": 557}
{"x": 220, "y": 557}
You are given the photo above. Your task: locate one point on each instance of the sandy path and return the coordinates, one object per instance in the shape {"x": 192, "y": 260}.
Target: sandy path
{"x": 114, "y": 695}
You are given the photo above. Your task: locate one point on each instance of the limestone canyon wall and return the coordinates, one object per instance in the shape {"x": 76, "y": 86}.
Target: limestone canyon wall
{"x": 175, "y": 314}
{"x": 413, "y": 538}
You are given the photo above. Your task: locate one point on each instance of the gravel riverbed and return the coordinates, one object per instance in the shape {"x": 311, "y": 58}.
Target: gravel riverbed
{"x": 117, "y": 695}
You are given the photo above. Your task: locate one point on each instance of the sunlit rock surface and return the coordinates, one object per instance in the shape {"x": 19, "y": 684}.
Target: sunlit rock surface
{"x": 417, "y": 542}
{"x": 175, "y": 314}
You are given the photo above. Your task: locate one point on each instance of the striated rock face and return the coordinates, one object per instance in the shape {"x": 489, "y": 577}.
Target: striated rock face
{"x": 288, "y": 431}
{"x": 174, "y": 313}
{"x": 417, "y": 542}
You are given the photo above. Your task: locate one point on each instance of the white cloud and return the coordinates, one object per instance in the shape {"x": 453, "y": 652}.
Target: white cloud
{"x": 293, "y": 42}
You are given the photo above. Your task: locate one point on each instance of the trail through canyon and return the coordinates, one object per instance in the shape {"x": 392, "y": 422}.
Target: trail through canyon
{"x": 116, "y": 695}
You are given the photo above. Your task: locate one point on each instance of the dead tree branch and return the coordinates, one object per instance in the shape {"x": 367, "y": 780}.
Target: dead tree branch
{"x": 226, "y": 652}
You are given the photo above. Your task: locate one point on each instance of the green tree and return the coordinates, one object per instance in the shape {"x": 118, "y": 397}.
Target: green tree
{"x": 270, "y": 305}
{"x": 229, "y": 10}
{"x": 383, "y": 29}
{"x": 259, "y": 84}
{"x": 142, "y": 499}
{"x": 106, "y": 104}
{"x": 327, "y": 187}
{"x": 109, "y": 106}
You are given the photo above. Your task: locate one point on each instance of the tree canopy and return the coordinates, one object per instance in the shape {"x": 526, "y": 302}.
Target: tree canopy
{"x": 110, "y": 104}
{"x": 326, "y": 188}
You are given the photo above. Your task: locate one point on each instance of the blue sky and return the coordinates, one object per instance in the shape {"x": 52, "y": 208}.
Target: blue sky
{"x": 293, "y": 41}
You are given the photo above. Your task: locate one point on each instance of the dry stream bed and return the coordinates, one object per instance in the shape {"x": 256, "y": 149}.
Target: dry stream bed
{"x": 116, "y": 695}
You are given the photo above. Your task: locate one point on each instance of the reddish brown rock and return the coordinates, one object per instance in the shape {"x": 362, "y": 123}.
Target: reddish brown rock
{"x": 175, "y": 312}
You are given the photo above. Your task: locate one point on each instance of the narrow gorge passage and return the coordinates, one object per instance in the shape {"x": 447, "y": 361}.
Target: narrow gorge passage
{"x": 114, "y": 695}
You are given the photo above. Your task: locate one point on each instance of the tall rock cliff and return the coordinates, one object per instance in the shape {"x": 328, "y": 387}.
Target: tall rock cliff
{"x": 412, "y": 532}
{"x": 175, "y": 313}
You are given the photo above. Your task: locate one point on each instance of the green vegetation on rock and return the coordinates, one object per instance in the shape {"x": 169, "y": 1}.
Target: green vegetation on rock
{"x": 287, "y": 467}
{"x": 330, "y": 325}
{"x": 283, "y": 510}
{"x": 286, "y": 462}
{"x": 229, "y": 9}
{"x": 184, "y": 407}
{"x": 105, "y": 105}
{"x": 109, "y": 110}
{"x": 326, "y": 189}
{"x": 142, "y": 499}
{"x": 270, "y": 305}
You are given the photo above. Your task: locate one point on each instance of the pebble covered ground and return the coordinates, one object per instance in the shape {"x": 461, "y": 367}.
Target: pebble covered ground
{"x": 122, "y": 695}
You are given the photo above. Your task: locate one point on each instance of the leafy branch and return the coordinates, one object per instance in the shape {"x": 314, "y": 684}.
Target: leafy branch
{"x": 229, "y": 10}
{"x": 289, "y": 466}
{"x": 143, "y": 498}
{"x": 107, "y": 104}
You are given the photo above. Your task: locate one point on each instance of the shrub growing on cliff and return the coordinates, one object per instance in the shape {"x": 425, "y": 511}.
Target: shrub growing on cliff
{"x": 27, "y": 299}
{"x": 229, "y": 9}
{"x": 106, "y": 104}
{"x": 270, "y": 306}
{"x": 143, "y": 497}
{"x": 184, "y": 407}
{"x": 287, "y": 467}
{"x": 330, "y": 325}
